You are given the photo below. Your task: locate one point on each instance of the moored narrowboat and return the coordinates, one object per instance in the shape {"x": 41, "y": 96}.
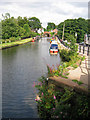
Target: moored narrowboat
{"x": 33, "y": 39}
{"x": 53, "y": 48}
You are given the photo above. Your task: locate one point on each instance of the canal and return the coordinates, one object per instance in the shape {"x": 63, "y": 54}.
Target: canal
{"x": 21, "y": 66}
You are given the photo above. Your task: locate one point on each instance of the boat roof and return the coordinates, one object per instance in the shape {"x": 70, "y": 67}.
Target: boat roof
{"x": 54, "y": 42}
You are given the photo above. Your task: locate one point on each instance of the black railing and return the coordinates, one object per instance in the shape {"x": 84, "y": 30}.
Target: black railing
{"x": 81, "y": 47}
{"x": 83, "y": 50}
{"x": 88, "y": 51}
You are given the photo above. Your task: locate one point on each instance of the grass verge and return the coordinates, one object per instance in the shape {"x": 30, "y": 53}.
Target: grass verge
{"x": 11, "y": 44}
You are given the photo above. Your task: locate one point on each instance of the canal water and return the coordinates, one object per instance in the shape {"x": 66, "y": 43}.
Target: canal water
{"x": 21, "y": 66}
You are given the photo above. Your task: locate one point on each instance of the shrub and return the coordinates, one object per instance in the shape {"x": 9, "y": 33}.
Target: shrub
{"x": 60, "y": 103}
{"x": 65, "y": 55}
{"x": 12, "y": 39}
{"x": 7, "y": 40}
{"x": 74, "y": 65}
{"x": 50, "y": 71}
{"x": 0, "y": 41}
{"x": 3, "y": 41}
{"x": 83, "y": 58}
{"x": 78, "y": 82}
{"x": 18, "y": 38}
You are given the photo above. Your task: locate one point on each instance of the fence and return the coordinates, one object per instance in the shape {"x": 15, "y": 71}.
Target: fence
{"x": 84, "y": 49}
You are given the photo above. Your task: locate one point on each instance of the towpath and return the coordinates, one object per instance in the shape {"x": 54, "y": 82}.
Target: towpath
{"x": 82, "y": 72}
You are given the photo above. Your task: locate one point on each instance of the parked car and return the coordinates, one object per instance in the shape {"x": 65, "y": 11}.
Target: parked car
{"x": 82, "y": 43}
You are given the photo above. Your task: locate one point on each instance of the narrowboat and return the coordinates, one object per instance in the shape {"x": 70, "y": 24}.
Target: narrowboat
{"x": 51, "y": 40}
{"x": 33, "y": 39}
{"x": 53, "y": 48}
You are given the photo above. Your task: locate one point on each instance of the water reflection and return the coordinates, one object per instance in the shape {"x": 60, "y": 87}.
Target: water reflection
{"x": 0, "y": 84}
{"x": 21, "y": 66}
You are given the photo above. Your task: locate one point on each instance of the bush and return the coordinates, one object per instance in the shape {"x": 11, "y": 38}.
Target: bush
{"x": 78, "y": 82}
{"x": 60, "y": 103}
{"x": 50, "y": 71}
{"x": 74, "y": 65}
{"x": 3, "y": 41}
{"x": 0, "y": 41}
{"x": 12, "y": 39}
{"x": 83, "y": 58}
{"x": 7, "y": 40}
{"x": 18, "y": 38}
{"x": 65, "y": 55}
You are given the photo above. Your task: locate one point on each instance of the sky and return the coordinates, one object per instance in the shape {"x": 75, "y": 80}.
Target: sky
{"x": 55, "y": 11}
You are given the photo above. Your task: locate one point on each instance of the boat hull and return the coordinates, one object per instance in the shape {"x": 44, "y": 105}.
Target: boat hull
{"x": 33, "y": 41}
{"x": 53, "y": 51}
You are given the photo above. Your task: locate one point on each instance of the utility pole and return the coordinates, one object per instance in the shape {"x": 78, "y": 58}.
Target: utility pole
{"x": 63, "y": 31}
{"x": 85, "y": 38}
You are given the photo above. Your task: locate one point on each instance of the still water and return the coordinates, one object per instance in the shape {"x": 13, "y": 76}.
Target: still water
{"x": 21, "y": 66}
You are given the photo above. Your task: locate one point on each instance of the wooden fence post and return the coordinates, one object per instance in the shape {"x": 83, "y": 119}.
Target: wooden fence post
{"x": 83, "y": 49}
{"x": 79, "y": 48}
{"x": 88, "y": 51}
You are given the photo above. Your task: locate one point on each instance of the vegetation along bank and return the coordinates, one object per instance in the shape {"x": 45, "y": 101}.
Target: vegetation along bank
{"x": 16, "y": 31}
{"x": 16, "y": 43}
{"x": 57, "y": 100}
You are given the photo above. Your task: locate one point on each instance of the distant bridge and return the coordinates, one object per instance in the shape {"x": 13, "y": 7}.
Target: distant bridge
{"x": 47, "y": 34}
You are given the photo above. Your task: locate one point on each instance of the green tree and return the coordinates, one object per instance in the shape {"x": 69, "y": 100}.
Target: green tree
{"x": 72, "y": 26}
{"x": 34, "y": 23}
{"x": 22, "y": 21}
{"x": 88, "y": 26}
{"x": 51, "y": 26}
{"x": 9, "y": 28}
{"x": 27, "y": 30}
{"x": 20, "y": 27}
{"x": 6, "y": 16}
{"x": 72, "y": 45}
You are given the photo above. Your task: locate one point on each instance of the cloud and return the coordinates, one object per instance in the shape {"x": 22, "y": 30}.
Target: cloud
{"x": 46, "y": 10}
{"x": 89, "y": 10}
{"x": 79, "y": 4}
{"x": 67, "y": 8}
{"x": 45, "y": 0}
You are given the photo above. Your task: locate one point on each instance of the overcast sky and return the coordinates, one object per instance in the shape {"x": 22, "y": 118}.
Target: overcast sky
{"x": 46, "y": 10}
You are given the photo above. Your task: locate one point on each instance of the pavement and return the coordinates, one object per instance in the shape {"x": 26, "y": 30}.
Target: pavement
{"x": 81, "y": 73}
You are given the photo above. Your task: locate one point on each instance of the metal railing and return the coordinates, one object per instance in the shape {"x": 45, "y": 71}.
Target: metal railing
{"x": 84, "y": 49}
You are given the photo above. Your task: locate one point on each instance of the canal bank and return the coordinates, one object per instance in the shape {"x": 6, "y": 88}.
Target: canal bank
{"x": 79, "y": 74}
{"x": 17, "y": 43}
{"x": 63, "y": 97}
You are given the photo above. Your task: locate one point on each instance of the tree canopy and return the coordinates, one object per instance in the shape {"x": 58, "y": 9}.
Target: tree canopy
{"x": 34, "y": 23}
{"x": 25, "y": 27}
{"x": 73, "y": 26}
{"x": 19, "y": 27}
{"x": 51, "y": 26}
